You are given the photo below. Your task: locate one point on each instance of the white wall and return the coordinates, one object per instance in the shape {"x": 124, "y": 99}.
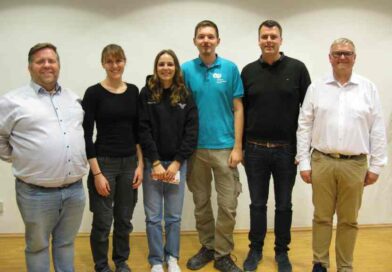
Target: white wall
{"x": 80, "y": 29}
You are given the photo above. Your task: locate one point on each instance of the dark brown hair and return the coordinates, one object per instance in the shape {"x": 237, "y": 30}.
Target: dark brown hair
{"x": 270, "y": 24}
{"x": 206, "y": 23}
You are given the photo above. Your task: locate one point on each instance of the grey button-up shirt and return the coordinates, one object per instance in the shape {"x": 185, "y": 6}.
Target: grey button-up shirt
{"x": 42, "y": 135}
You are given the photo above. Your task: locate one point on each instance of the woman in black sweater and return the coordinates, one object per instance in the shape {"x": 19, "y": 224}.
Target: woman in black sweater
{"x": 168, "y": 135}
{"x": 116, "y": 162}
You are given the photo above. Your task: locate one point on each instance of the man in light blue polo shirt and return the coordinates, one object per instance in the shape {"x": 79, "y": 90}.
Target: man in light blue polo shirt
{"x": 217, "y": 89}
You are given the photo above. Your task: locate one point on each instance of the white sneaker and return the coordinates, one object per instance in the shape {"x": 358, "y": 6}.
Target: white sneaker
{"x": 157, "y": 268}
{"x": 173, "y": 265}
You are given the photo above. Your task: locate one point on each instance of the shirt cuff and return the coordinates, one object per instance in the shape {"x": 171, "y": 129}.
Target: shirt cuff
{"x": 304, "y": 165}
{"x": 375, "y": 169}
{"x": 6, "y": 158}
{"x": 179, "y": 158}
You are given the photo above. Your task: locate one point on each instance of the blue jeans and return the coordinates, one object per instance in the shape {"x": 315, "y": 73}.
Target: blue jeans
{"x": 50, "y": 211}
{"x": 119, "y": 205}
{"x": 163, "y": 200}
{"x": 260, "y": 163}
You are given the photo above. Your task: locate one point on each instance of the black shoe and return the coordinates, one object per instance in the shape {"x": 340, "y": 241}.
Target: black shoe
{"x": 226, "y": 264}
{"x": 317, "y": 267}
{"x": 283, "y": 262}
{"x": 252, "y": 260}
{"x": 105, "y": 269}
{"x": 123, "y": 267}
{"x": 203, "y": 257}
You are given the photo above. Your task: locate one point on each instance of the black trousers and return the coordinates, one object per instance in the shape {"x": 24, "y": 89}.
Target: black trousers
{"x": 260, "y": 164}
{"x": 118, "y": 206}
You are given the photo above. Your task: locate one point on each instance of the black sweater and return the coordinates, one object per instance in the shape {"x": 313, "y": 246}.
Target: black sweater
{"x": 115, "y": 116}
{"x": 167, "y": 132}
{"x": 272, "y": 97}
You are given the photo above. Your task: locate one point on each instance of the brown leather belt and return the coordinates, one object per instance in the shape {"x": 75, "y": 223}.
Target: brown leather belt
{"x": 268, "y": 144}
{"x": 340, "y": 156}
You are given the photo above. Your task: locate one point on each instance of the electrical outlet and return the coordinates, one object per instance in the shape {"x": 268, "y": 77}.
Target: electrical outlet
{"x": 1, "y": 207}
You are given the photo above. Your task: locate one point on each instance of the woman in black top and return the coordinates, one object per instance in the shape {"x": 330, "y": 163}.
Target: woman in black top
{"x": 116, "y": 162}
{"x": 168, "y": 135}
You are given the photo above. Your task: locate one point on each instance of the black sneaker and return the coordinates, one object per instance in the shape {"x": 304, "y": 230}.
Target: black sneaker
{"x": 203, "y": 257}
{"x": 123, "y": 267}
{"x": 105, "y": 269}
{"x": 283, "y": 262}
{"x": 252, "y": 260}
{"x": 226, "y": 264}
{"x": 317, "y": 267}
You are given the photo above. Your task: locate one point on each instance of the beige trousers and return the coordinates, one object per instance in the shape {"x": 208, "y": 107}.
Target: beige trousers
{"x": 337, "y": 187}
{"x": 203, "y": 165}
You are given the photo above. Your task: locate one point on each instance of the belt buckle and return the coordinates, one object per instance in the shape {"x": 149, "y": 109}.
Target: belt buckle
{"x": 269, "y": 145}
{"x": 335, "y": 155}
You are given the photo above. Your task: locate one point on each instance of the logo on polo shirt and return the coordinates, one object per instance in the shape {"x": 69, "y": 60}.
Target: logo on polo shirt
{"x": 218, "y": 78}
{"x": 216, "y": 75}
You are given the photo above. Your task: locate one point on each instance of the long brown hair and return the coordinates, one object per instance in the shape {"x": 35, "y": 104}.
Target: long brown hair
{"x": 179, "y": 92}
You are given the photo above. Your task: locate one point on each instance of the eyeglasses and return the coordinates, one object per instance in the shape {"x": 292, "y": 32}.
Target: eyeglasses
{"x": 339, "y": 54}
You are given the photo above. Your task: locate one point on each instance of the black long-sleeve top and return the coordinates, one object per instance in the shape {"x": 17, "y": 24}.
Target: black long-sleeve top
{"x": 272, "y": 97}
{"x": 116, "y": 119}
{"x": 167, "y": 132}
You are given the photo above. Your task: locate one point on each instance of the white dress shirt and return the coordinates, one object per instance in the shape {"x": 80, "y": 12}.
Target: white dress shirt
{"x": 345, "y": 119}
{"x": 42, "y": 135}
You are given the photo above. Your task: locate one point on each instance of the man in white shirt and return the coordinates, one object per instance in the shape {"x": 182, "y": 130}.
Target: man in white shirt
{"x": 340, "y": 123}
{"x": 41, "y": 134}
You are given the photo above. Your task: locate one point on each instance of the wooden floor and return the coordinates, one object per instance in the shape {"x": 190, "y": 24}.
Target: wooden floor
{"x": 373, "y": 252}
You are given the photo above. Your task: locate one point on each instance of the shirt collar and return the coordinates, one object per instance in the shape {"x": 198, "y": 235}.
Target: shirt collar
{"x": 354, "y": 79}
{"x": 39, "y": 89}
{"x": 217, "y": 62}
{"x": 331, "y": 79}
{"x": 282, "y": 56}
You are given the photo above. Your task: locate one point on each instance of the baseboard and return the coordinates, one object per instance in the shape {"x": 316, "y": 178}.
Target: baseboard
{"x": 194, "y": 232}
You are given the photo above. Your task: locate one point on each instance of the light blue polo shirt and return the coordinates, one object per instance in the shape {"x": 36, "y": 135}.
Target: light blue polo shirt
{"x": 213, "y": 89}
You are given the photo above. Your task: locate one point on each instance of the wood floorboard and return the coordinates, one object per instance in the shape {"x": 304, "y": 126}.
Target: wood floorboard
{"x": 373, "y": 252}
